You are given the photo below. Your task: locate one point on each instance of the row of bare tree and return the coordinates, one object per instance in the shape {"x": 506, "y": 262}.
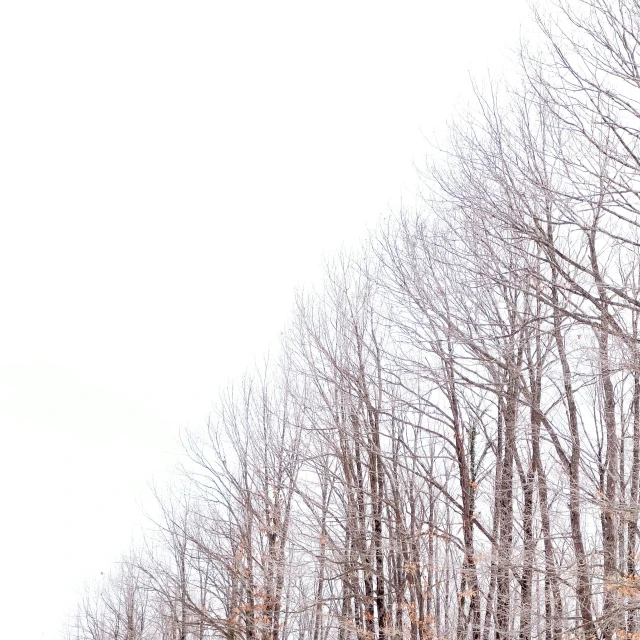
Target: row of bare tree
{"x": 448, "y": 445}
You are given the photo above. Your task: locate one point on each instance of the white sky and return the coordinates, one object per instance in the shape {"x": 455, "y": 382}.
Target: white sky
{"x": 169, "y": 172}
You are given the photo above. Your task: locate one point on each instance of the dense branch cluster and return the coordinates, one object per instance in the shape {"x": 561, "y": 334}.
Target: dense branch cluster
{"x": 449, "y": 444}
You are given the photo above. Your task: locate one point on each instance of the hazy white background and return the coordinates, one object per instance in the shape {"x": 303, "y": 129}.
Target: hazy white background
{"x": 169, "y": 172}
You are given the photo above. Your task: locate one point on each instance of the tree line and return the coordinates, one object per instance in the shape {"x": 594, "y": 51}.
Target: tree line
{"x": 448, "y": 442}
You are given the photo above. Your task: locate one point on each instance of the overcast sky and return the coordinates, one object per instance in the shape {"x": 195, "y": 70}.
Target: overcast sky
{"x": 169, "y": 173}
